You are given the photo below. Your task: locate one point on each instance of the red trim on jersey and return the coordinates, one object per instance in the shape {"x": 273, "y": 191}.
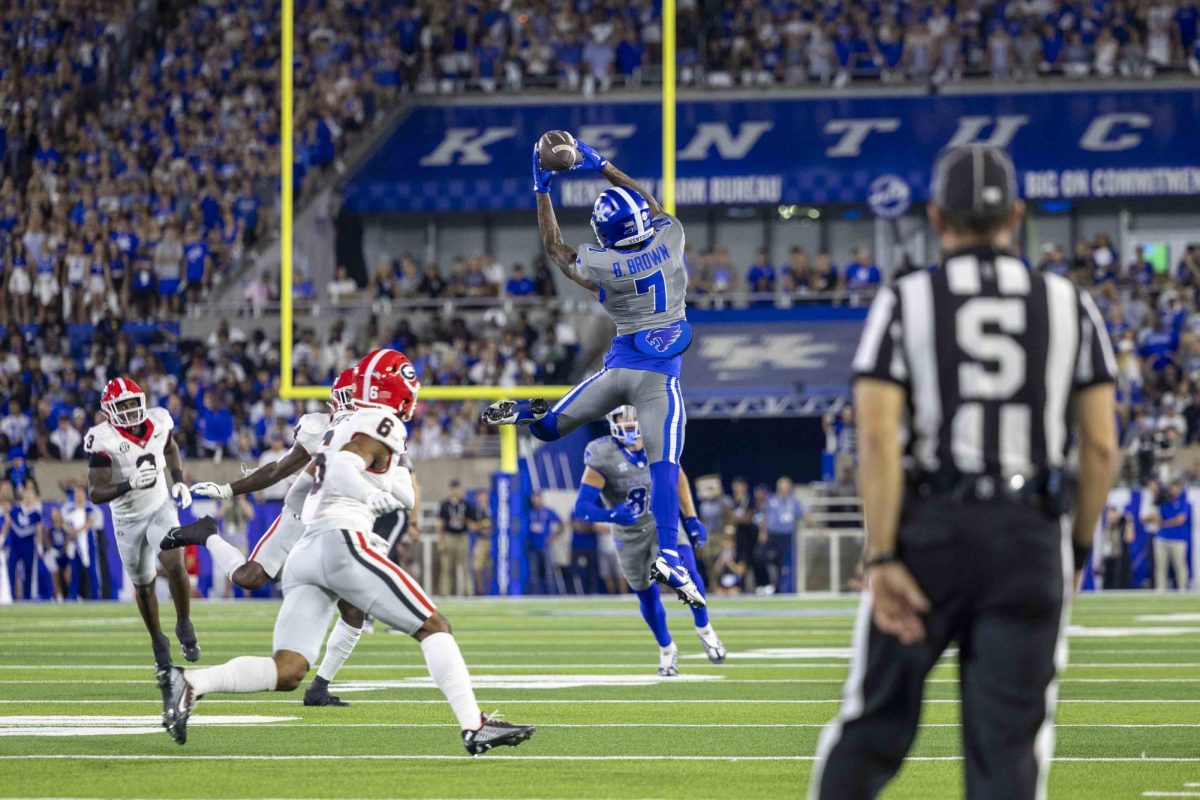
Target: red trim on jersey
{"x": 139, "y": 441}
{"x": 413, "y": 589}
{"x": 373, "y": 439}
{"x": 267, "y": 535}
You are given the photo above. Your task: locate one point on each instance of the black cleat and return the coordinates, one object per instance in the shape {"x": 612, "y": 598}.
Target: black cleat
{"x": 193, "y": 533}
{"x": 507, "y": 412}
{"x": 494, "y": 732}
{"x": 178, "y": 702}
{"x": 187, "y": 640}
{"x": 316, "y": 695}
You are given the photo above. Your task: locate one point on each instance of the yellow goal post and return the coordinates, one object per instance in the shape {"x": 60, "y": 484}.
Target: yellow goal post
{"x": 288, "y": 388}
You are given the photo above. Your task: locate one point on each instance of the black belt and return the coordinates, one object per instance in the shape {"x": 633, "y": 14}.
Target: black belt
{"x": 1051, "y": 491}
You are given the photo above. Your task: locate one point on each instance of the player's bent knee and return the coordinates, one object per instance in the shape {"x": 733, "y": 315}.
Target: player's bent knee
{"x": 291, "y": 667}
{"x": 250, "y": 576}
{"x": 354, "y": 617}
{"x": 435, "y": 624}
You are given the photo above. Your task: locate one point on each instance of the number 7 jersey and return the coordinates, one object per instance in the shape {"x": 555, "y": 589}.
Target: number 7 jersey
{"x": 326, "y": 509}
{"x": 643, "y": 287}
{"x": 127, "y": 454}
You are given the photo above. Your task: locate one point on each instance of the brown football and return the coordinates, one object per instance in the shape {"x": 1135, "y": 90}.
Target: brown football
{"x": 556, "y": 151}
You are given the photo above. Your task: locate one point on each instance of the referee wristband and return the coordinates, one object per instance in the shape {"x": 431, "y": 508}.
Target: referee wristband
{"x": 1082, "y": 553}
{"x": 880, "y": 559}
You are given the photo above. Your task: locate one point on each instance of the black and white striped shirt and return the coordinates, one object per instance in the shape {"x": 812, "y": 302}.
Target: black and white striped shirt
{"x": 990, "y": 355}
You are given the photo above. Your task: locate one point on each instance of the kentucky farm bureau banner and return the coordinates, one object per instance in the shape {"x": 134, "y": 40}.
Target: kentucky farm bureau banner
{"x": 858, "y": 149}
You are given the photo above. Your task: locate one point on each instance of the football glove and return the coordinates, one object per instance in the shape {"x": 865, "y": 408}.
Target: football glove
{"x": 382, "y": 503}
{"x": 695, "y": 531}
{"x": 181, "y": 494}
{"x": 541, "y": 177}
{"x": 145, "y": 477}
{"x": 589, "y": 158}
{"x": 623, "y": 515}
{"x": 217, "y": 491}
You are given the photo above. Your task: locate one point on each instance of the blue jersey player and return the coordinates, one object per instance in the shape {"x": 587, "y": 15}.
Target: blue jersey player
{"x": 616, "y": 482}
{"x": 638, "y": 274}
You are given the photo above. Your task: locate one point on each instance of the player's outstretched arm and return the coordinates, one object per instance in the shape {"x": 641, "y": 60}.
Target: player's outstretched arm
{"x": 618, "y": 178}
{"x": 559, "y": 252}
{"x": 180, "y": 492}
{"x": 267, "y": 475}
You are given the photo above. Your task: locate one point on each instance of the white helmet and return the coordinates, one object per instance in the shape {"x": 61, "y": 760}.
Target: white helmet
{"x": 618, "y": 430}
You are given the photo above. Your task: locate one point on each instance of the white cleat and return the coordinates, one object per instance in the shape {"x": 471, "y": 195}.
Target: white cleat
{"x": 668, "y": 661}
{"x": 712, "y": 646}
{"x": 677, "y": 580}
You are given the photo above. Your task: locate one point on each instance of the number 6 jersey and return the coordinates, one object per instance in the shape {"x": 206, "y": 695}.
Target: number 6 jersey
{"x": 326, "y": 509}
{"x": 128, "y": 453}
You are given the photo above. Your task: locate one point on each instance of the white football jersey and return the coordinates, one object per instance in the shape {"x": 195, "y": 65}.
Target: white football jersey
{"x": 324, "y": 508}
{"x": 309, "y": 430}
{"x": 127, "y": 455}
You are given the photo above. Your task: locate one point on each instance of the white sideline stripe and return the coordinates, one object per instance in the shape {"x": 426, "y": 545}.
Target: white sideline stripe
{"x": 700, "y": 725}
{"x": 590, "y": 678}
{"x": 623, "y": 665}
{"x": 1170, "y": 794}
{"x": 444, "y": 757}
{"x": 580, "y": 701}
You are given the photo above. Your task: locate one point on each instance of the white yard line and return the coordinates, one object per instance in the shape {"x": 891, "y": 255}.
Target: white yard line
{"x": 446, "y": 757}
{"x": 579, "y": 701}
{"x": 723, "y": 680}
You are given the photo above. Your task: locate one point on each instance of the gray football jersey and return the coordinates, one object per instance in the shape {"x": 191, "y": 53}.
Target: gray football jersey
{"x": 623, "y": 480}
{"x": 643, "y": 288}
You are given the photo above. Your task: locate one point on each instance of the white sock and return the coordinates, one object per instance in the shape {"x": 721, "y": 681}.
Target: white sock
{"x": 668, "y": 650}
{"x": 241, "y": 675}
{"x": 449, "y": 672}
{"x": 706, "y": 631}
{"x": 338, "y": 648}
{"x": 227, "y": 557}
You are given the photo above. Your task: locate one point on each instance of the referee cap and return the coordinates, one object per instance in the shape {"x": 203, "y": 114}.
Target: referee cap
{"x": 974, "y": 184}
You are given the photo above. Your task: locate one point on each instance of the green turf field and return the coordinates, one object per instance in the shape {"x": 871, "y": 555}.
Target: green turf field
{"x": 78, "y": 707}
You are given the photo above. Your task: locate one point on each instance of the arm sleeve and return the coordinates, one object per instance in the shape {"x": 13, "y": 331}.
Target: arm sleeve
{"x": 344, "y": 475}
{"x": 402, "y": 487}
{"x": 880, "y": 352}
{"x": 589, "y": 506}
{"x": 298, "y": 491}
{"x": 1096, "y": 363}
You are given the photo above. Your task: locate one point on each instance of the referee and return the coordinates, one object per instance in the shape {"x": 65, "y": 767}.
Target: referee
{"x": 972, "y": 383}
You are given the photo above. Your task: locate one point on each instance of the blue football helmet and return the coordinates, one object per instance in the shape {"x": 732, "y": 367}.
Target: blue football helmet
{"x": 623, "y": 425}
{"x": 621, "y": 217}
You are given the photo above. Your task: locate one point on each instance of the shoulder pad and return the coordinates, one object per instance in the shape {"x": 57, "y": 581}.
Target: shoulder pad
{"x": 161, "y": 418}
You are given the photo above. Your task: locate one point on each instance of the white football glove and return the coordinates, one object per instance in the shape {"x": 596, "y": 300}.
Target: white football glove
{"x": 381, "y": 503}
{"x": 217, "y": 491}
{"x": 145, "y": 477}
{"x": 181, "y": 494}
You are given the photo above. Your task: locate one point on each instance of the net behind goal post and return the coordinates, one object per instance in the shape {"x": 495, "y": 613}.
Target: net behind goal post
{"x": 508, "y": 492}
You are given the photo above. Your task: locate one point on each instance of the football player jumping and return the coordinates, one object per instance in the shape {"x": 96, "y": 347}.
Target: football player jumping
{"x": 614, "y": 490}
{"x": 638, "y": 275}
{"x": 266, "y": 560}
{"x": 129, "y": 453}
{"x": 358, "y": 477}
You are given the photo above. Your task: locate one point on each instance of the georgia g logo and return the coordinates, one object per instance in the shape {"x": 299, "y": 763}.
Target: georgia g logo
{"x": 408, "y": 372}
{"x": 662, "y": 338}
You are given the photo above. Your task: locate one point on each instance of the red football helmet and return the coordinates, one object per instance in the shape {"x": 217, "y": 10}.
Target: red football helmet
{"x": 342, "y": 393}
{"x": 124, "y": 403}
{"x": 387, "y": 379}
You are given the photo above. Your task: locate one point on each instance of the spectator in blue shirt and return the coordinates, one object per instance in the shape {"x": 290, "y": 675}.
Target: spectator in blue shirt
{"x": 544, "y": 527}
{"x": 1174, "y": 534}
{"x": 862, "y": 273}
{"x": 520, "y": 284}
{"x": 216, "y": 427}
{"x": 761, "y": 276}
{"x": 777, "y": 535}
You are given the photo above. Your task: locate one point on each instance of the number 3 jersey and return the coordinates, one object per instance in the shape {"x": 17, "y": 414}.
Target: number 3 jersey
{"x": 626, "y": 479}
{"x": 326, "y": 509}
{"x": 106, "y": 443}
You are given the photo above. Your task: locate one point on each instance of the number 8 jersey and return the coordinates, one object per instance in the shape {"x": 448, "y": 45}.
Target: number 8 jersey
{"x": 107, "y": 443}
{"x": 626, "y": 479}
{"x": 326, "y": 509}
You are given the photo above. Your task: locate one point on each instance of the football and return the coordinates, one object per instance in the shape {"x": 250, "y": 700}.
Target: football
{"x": 557, "y": 151}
